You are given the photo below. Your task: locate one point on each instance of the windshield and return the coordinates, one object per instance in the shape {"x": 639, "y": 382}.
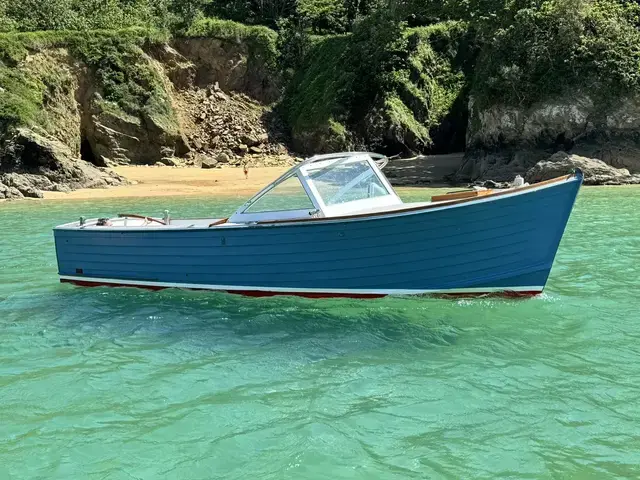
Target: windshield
{"x": 347, "y": 182}
{"x": 288, "y": 195}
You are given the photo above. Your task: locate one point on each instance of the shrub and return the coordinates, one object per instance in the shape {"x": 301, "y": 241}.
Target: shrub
{"x": 563, "y": 45}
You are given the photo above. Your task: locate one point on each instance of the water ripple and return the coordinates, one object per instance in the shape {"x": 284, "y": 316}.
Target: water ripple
{"x": 119, "y": 383}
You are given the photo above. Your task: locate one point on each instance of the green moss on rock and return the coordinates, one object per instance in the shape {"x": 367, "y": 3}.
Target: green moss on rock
{"x": 122, "y": 72}
{"x": 312, "y": 103}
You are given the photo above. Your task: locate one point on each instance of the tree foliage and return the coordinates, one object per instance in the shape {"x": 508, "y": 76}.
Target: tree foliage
{"x": 571, "y": 44}
{"x": 349, "y": 63}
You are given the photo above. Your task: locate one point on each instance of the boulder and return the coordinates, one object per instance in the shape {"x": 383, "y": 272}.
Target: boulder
{"x": 28, "y": 185}
{"x": 500, "y": 165}
{"x": 209, "y": 162}
{"x": 222, "y": 158}
{"x": 170, "y": 161}
{"x": 253, "y": 139}
{"x": 596, "y": 172}
{"x": 60, "y": 188}
{"x": 242, "y": 149}
{"x": 9, "y": 192}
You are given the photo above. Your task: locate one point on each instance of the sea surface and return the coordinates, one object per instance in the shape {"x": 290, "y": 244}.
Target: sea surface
{"x": 129, "y": 384}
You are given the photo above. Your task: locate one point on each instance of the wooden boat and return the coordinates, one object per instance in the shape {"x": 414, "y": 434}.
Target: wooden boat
{"x": 333, "y": 226}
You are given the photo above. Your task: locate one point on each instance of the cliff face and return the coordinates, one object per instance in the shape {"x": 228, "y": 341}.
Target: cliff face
{"x": 73, "y": 107}
{"x": 503, "y": 141}
{"x": 229, "y": 64}
{"x": 111, "y": 101}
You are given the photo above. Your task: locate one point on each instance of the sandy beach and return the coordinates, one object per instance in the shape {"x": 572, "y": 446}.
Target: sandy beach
{"x": 151, "y": 181}
{"x": 169, "y": 181}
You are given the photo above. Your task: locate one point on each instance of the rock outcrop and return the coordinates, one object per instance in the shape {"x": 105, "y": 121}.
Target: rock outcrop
{"x": 116, "y": 138}
{"x": 31, "y": 163}
{"x": 503, "y": 141}
{"x": 595, "y": 171}
{"x": 76, "y": 114}
{"x": 229, "y": 64}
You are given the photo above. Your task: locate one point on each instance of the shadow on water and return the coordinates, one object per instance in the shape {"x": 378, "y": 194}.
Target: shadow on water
{"x": 227, "y": 319}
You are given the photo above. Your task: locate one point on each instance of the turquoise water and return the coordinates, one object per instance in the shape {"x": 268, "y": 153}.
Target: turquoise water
{"x": 129, "y": 384}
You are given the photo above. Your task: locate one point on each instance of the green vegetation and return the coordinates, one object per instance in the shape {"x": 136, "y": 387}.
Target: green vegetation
{"x": 590, "y": 46}
{"x": 313, "y": 102}
{"x": 124, "y": 76}
{"x": 391, "y": 89}
{"x": 377, "y": 72}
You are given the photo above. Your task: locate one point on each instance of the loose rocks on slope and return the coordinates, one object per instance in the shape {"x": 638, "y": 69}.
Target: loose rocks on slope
{"x": 231, "y": 129}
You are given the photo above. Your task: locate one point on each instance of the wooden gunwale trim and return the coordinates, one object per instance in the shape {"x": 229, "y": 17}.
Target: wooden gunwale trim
{"x": 458, "y": 195}
{"x": 425, "y": 207}
{"x": 219, "y": 222}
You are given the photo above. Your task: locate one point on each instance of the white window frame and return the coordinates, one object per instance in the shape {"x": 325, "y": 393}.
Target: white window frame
{"x": 390, "y": 199}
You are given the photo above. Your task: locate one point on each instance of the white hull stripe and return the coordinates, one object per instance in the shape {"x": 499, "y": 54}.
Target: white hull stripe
{"x": 337, "y": 291}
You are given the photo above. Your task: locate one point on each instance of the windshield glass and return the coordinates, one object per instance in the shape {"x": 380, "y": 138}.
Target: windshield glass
{"x": 347, "y": 182}
{"x": 288, "y": 195}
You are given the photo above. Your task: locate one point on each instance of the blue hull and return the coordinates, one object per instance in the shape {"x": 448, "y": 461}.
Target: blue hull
{"x": 502, "y": 244}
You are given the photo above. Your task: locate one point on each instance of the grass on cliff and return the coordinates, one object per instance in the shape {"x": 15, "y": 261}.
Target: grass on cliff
{"x": 313, "y": 100}
{"x": 434, "y": 78}
{"x": 420, "y": 87}
{"x": 128, "y": 83}
{"x": 262, "y": 41}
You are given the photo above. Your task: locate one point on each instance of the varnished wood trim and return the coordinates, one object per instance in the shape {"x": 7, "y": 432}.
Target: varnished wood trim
{"x": 425, "y": 207}
{"x": 219, "y": 222}
{"x": 459, "y": 195}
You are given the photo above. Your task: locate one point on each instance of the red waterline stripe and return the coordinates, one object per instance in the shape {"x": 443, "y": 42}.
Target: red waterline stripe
{"x": 258, "y": 293}
{"x": 246, "y": 293}
{"x": 502, "y": 293}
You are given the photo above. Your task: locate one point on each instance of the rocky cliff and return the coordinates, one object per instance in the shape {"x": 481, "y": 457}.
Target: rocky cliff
{"x": 94, "y": 103}
{"x": 503, "y": 141}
